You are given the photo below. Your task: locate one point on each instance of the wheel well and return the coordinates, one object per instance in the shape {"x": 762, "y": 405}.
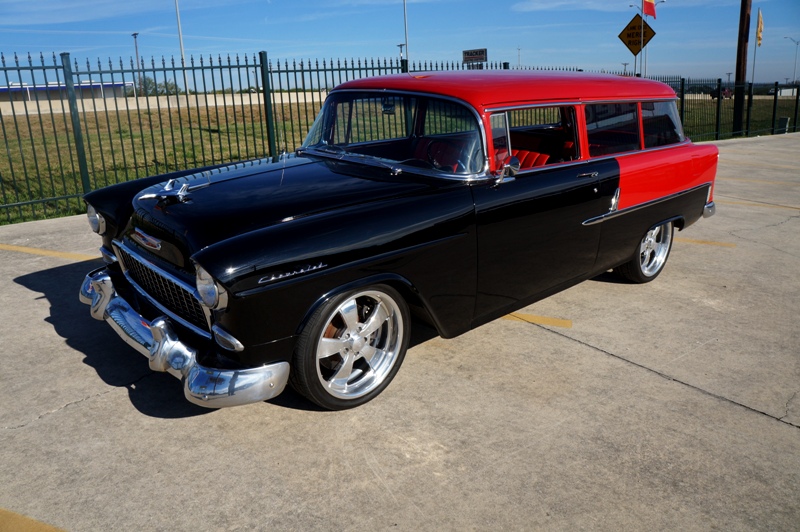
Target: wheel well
{"x": 404, "y": 287}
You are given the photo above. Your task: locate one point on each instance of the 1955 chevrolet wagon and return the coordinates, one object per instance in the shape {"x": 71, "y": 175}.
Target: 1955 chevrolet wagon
{"x": 452, "y": 197}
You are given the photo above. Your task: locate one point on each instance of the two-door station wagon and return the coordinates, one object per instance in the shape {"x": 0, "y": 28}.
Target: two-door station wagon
{"x": 452, "y": 197}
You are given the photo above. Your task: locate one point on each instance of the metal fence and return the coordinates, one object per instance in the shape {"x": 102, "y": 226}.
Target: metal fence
{"x": 68, "y": 128}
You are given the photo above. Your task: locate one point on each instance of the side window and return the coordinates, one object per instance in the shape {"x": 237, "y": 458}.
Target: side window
{"x": 661, "y": 123}
{"x": 612, "y": 128}
{"x": 543, "y": 135}
{"x": 443, "y": 118}
{"x": 371, "y": 119}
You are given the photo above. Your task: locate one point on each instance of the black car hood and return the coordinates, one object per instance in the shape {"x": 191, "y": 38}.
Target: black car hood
{"x": 237, "y": 199}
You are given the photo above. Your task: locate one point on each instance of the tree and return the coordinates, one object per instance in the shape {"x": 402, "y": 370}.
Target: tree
{"x": 148, "y": 87}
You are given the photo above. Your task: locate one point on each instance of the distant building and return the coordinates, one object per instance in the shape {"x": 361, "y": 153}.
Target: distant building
{"x": 18, "y": 92}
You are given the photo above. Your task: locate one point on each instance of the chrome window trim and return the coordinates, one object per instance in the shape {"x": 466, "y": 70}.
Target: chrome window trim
{"x": 160, "y": 271}
{"x": 639, "y": 151}
{"x": 551, "y": 166}
{"x": 631, "y": 100}
{"x": 467, "y": 178}
{"x": 559, "y": 103}
{"x": 610, "y": 215}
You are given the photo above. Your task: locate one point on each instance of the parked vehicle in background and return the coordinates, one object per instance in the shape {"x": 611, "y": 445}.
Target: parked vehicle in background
{"x": 725, "y": 92}
{"x": 450, "y": 197}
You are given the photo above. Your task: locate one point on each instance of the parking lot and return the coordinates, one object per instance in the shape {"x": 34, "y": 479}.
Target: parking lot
{"x": 665, "y": 406}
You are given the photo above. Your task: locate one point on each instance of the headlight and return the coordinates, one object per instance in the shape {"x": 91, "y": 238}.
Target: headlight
{"x": 96, "y": 220}
{"x": 212, "y": 295}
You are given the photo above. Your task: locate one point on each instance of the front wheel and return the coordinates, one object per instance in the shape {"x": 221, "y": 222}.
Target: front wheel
{"x": 651, "y": 256}
{"x": 351, "y": 347}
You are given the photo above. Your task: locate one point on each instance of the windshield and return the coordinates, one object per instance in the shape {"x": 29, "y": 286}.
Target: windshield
{"x": 425, "y": 133}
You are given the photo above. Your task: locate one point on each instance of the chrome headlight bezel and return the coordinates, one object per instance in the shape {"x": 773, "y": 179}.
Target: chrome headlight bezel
{"x": 211, "y": 293}
{"x": 96, "y": 220}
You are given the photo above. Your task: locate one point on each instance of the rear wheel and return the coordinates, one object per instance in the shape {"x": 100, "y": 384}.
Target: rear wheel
{"x": 351, "y": 347}
{"x": 651, "y": 256}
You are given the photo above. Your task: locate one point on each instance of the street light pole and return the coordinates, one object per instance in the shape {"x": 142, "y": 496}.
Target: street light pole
{"x": 796, "y": 43}
{"x": 138, "y": 74}
{"x": 643, "y": 50}
{"x": 640, "y": 56}
{"x": 405, "y": 23}
{"x": 183, "y": 57}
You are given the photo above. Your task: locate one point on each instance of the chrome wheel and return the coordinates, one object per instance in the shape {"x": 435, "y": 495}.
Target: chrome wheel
{"x": 654, "y": 249}
{"x": 352, "y": 347}
{"x": 651, "y": 255}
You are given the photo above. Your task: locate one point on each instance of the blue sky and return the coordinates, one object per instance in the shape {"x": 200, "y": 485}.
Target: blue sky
{"x": 694, "y": 38}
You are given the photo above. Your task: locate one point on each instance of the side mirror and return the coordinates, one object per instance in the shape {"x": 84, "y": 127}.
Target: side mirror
{"x": 508, "y": 171}
{"x": 511, "y": 167}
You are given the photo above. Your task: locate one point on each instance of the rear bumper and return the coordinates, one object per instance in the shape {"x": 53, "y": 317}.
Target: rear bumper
{"x": 157, "y": 340}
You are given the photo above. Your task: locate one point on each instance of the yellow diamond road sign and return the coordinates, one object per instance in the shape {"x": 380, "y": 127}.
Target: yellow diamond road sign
{"x": 632, "y": 36}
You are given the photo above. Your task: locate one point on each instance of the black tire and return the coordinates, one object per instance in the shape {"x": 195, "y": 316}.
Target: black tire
{"x": 651, "y": 255}
{"x": 351, "y": 348}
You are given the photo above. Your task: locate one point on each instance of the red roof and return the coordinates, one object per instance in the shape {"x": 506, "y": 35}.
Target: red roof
{"x": 483, "y": 88}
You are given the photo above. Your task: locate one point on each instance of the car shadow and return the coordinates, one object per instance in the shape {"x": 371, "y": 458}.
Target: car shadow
{"x": 117, "y": 364}
{"x": 152, "y": 393}
{"x": 610, "y": 277}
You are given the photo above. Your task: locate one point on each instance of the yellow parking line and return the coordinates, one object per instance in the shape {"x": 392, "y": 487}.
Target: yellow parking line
{"x": 539, "y": 320}
{"x": 705, "y": 242}
{"x": 756, "y": 165}
{"x": 47, "y": 252}
{"x": 760, "y": 181}
{"x": 754, "y": 204}
{"x": 12, "y": 521}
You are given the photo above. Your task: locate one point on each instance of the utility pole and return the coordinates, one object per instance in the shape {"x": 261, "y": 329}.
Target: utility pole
{"x": 625, "y": 69}
{"x": 741, "y": 68}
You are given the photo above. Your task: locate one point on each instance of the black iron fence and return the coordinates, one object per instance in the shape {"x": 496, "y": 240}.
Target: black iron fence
{"x": 68, "y": 128}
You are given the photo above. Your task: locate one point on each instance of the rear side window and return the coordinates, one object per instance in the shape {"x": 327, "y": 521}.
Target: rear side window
{"x": 612, "y": 128}
{"x": 661, "y": 124}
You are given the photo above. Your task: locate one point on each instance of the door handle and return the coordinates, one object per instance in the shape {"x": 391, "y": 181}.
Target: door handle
{"x": 589, "y": 174}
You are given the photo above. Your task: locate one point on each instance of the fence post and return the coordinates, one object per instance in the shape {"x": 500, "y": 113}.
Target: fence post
{"x": 775, "y": 108}
{"x": 683, "y": 100}
{"x": 267, "y": 92}
{"x": 749, "y": 107}
{"x": 76, "y": 122}
{"x": 718, "y": 125}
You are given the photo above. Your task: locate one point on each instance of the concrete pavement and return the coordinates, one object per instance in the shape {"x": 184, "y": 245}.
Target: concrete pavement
{"x": 671, "y": 405}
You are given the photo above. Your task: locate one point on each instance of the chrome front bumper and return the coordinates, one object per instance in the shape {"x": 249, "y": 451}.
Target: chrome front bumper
{"x": 212, "y": 388}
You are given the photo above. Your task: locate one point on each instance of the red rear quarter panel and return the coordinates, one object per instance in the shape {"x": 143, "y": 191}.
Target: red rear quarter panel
{"x": 651, "y": 175}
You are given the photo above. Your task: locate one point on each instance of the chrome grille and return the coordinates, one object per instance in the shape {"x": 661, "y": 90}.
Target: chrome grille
{"x": 172, "y": 295}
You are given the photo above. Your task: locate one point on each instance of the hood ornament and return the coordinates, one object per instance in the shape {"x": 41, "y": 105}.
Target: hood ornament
{"x": 169, "y": 192}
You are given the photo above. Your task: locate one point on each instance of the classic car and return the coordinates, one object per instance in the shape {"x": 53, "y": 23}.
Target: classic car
{"x": 444, "y": 198}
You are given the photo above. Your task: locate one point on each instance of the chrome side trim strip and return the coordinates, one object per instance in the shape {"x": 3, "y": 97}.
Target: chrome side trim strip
{"x": 208, "y": 387}
{"x": 603, "y": 217}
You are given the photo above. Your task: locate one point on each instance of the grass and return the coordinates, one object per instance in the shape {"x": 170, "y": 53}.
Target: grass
{"x": 40, "y": 175}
